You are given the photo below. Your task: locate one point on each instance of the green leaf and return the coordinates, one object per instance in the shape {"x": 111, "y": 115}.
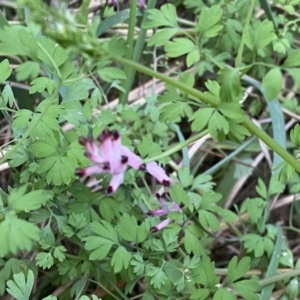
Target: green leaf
{"x": 231, "y": 90}
{"x": 41, "y": 84}
{"x": 3, "y": 21}
{"x": 232, "y": 111}
{"x": 295, "y": 75}
{"x": 5, "y": 70}
{"x": 138, "y": 264}
{"x": 200, "y": 294}
{"x": 44, "y": 148}
{"x": 60, "y": 169}
{"x": 19, "y": 201}
{"x": 158, "y": 276}
{"x": 217, "y": 123}
{"x": 111, "y": 74}
{"x": 178, "y": 194}
{"x": 178, "y": 47}
{"x": 162, "y": 36}
{"x": 101, "y": 243}
{"x": 78, "y": 221}
{"x": 261, "y": 36}
{"x": 50, "y": 52}
{"x": 200, "y": 118}
{"x": 26, "y": 70}
{"x": 24, "y": 234}
{"x": 130, "y": 231}
{"x": 295, "y": 136}
{"x": 166, "y": 16}
{"x": 59, "y": 253}
{"x": 78, "y": 91}
{"x": 192, "y": 243}
{"x": 171, "y": 112}
{"x": 20, "y": 288}
{"x": 261, "y": 189}
{"x": 207, "y": 24}
{"x": 23, "y": 42}
{"x": 8, "y": 96}
{"x": 209, "y": 220}
{"x": 205, "y": 273}
{"x": 223, "y": 294}
{"x": 247, "y": 289}
{"x": 173, "y": 270}
{"x": 50, "y": 297}
{"x": 18, "y": 157}
{"x": 293, "y": 59}
{"x": 184, "y": 177}
{"x": 193, "y": 57}
{"x": 271, "y": 84}
{"x": 237, "y": 269}
{"x": 44, "y": 260}
{"x": 120, "y": 259}
{"x": 254, "y": 207}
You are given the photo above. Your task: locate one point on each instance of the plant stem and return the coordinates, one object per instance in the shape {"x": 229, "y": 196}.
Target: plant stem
{"x": 178, "y": 146}
{"x": 279, "y": 277}
{"x": 130, "y": 41}
{"x": 245, "y": 32}
{"x": 137, "y": 51}
{"x": 183, "y": 87}
{"x": 272, "y": 144}
{"x": 253, "y": 129}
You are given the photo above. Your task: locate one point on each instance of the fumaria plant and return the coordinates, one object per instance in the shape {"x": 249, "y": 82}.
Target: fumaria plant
{"x": 157, "y": 197}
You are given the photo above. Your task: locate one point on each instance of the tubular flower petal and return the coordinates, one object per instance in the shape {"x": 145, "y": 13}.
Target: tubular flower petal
{"x": 161, "y": 225}
{"x": 115, "y": 182}
{"x": 89, "y": 171}
{"x": 134, "y": 161}
{"x": 159, "y": 173}
{"x": 115, "y": 5}
{"x": 164, "y": 210}
{"x": 142, "y": 4}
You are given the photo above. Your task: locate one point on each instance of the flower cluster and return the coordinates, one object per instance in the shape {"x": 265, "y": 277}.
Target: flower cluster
{"x": 116, "y": 4}
{"x": 108, "y": 155}
{"x": 164, "y": 210}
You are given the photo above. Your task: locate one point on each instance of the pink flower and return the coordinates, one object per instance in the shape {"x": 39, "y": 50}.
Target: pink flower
{"x": 164, "y": 210}
{"x": 108, "y": 155}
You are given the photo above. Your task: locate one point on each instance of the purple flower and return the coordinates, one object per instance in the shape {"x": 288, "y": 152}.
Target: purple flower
{"x": 142, "y": 4}
{"x": 108, "y": 155}
{"x": 164, "y": 210}
{"x": 116, "y": 4}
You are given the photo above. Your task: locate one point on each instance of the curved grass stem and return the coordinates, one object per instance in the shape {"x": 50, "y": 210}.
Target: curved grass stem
{"x": 206, "y": 98}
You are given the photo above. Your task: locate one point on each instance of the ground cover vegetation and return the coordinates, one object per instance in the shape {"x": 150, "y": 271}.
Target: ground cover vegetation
{"x": 149, "y": 149}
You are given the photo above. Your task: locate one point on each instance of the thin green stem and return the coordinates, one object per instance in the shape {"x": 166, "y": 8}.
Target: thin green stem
{"x": 183, "y": 87}
{"x": 279, "y": 277}
{"x": 238, "y": 59}
{"x": 136, "y": 55}
{"x": 224, "y": 161}
{"x": 178, "y": 146}
{"x": 272, "y": 144}
{"x": 130, "y": 41}
{"x": 252, "y": 128}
